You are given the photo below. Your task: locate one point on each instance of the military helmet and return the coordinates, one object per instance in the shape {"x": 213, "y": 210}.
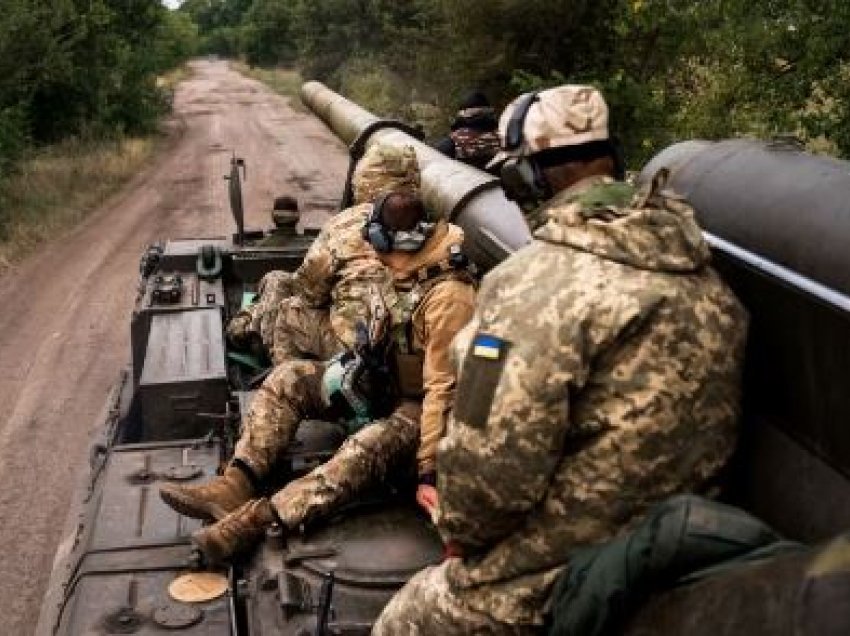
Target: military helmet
{"x": 383, "y": 169}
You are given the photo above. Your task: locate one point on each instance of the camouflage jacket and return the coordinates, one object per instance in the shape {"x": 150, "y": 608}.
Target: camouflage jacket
{"x": 342, "y": 271}
{"x": 432, "y": 311}
{"x": 600, "y": 374}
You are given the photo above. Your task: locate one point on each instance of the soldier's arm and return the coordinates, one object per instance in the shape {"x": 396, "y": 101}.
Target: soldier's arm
{"x": 512, "y": 413}
{"x": 445, "y": 311}
{"x": 314, "y": 278}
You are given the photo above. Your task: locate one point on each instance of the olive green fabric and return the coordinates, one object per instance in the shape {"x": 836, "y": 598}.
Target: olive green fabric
{"x": 685, "y": 536}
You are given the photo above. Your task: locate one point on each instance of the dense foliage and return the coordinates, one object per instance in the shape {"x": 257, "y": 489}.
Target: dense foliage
{"x": 84, "y": 68}
{"x": 670, "y": 68}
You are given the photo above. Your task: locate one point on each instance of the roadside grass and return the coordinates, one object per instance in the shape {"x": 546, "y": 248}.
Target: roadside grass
{"x": 56, "y": 187}
{"x": 284, "y": 81}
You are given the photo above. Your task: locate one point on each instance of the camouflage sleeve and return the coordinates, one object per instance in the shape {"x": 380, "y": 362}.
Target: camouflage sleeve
{"x": 512, "y": 415}
{"x": 443, "y": 312}
{"x": 314, "y": 278}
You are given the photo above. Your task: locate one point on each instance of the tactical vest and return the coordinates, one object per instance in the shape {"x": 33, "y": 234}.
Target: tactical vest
{"x": 407, "y": 361}
{"x": 475, "y": 147}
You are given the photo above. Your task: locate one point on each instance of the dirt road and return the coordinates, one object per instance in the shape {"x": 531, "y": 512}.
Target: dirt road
{"x": 64, "y": 313}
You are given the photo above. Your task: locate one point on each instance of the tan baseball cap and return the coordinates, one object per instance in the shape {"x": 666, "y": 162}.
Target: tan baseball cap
{"x": 385, "y": 168}
{"x": 568, "y": 115}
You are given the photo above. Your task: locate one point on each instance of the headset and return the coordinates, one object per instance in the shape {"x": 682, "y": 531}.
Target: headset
{"x": 523, "y": 176}
{"x": 374, "y": 231}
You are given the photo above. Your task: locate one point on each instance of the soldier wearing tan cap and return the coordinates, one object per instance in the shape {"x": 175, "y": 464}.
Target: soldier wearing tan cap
{"x": 599, "y": 375}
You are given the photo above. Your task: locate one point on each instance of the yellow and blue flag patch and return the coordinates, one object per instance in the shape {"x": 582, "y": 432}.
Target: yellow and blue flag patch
{"x": 488, "y": 347}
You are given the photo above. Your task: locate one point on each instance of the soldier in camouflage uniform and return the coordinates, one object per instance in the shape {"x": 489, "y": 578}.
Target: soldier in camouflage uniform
{"x": 432, "y": 300}
{"x": 311, "y": 313}
{"x": 600, "y": 374}
{"x": 473, "y": 138}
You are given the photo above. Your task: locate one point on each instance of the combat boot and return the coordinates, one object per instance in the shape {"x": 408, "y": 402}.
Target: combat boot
{"x": 235, "y": 533}
{"x": 211, "y": 501}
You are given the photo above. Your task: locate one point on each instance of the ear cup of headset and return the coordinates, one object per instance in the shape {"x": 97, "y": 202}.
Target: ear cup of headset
{"x": 374, "y": 231}
{"x": 523, "y": 180}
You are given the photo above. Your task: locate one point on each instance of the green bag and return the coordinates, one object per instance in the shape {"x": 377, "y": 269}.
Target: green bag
{"x": 685, "y": 536}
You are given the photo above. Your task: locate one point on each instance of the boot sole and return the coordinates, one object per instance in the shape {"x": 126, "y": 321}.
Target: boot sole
{"x": 191, "y": 507}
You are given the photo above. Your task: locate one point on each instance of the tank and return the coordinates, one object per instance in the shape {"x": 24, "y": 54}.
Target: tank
{"x": 776, "y": 218}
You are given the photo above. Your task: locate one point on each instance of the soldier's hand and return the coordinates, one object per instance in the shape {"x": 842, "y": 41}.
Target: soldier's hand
{"x": 426, "y": 496}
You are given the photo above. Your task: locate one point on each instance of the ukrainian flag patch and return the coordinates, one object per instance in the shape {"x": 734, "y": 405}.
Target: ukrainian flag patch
{"x": 487, "y": 347}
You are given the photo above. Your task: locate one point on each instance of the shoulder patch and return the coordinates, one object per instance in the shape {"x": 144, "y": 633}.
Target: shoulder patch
{"x": 479, "y": 378}
{"x": 487, "y": 346}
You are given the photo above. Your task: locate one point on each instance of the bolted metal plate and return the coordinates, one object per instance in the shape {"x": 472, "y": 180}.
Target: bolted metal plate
{"x": 198, "y": 587}
{"x": 124, "y": 620}
{"x": 372, "y": 546}
{"x": 182, "y": 473}
{"x": 174, "y": 616}
{"x": 141, "y": 477}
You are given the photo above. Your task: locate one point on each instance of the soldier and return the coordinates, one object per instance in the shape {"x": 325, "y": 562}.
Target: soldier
{"x": 473, "y": 138}
{"x": 600, "y": 374}
{"x": 311, "y": 313}
{"x": 433, "y": 298}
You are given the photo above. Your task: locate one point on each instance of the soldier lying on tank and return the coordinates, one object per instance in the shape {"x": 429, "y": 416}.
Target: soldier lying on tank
{"x": 433, "y": 298}
{"x": 600, "y": 374}
{"x": 312, "y": 312}
{"x": 473, "y": 138}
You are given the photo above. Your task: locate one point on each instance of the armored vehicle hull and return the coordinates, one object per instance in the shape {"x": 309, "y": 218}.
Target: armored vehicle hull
{"x": 174, "y": 415}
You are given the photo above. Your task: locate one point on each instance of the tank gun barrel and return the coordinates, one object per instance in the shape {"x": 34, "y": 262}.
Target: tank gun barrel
{"x": 493, "y": 225}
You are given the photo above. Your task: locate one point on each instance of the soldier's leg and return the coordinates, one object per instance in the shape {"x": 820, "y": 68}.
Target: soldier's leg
{"x": 365, "y": 458}
{"x": 249, "y": 322}
{"x": 291, "y": 393}
{"x": 274, "y": 288}
{"x": 301, "y": 331}
{"x": 427, "y": 605}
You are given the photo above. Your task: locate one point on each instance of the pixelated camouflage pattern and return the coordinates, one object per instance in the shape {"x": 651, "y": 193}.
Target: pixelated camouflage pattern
{"x": 369, "y": 456}
{"x": 617, "y": 385}
{"x": 290, "y": 393}
{"x": 428, "y": 606}
{"x": 383, "y": 169}
{"x": 475, "y": 146}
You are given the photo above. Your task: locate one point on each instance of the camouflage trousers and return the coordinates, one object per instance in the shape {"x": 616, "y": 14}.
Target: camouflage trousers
{"x": 368, "y": 457}
{"x": 288, "y": 327}
{"x": 258, "y": 319}
{"x": 292, "y": 393}
{"x": 427, "y": 605}
{"x": 301, "y": 331}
